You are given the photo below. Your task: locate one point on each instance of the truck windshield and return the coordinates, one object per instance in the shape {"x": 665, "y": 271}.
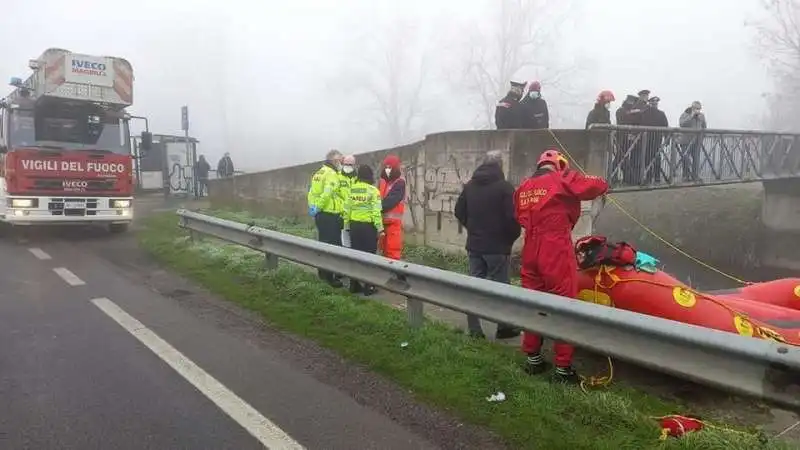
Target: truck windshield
{"x": 67, "y": 127}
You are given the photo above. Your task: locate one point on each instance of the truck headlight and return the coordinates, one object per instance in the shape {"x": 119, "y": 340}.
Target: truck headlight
{"x": 22, "y": 202}
{"x": 120, "y": 203}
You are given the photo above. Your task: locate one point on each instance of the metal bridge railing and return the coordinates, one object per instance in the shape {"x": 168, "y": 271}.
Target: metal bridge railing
{"x": 758, "y": 368}
{"x": 652, "y": 157}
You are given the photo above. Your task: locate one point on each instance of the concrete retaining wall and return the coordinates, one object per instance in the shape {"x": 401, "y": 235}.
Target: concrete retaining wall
{"x": 720, "y": 225}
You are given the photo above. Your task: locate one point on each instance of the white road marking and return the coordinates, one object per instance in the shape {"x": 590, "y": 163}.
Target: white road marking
{"x": 39, "y": 253}
{"x": 267, "y": 433}
{"x": 68, "y": 276}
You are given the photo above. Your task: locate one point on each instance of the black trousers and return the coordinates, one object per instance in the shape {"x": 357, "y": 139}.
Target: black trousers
{"x": 364, "y": 238}
{"x": 329, "y": 231}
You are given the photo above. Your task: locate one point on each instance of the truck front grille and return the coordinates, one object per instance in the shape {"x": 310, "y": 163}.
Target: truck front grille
{"x": 73, "y": 206}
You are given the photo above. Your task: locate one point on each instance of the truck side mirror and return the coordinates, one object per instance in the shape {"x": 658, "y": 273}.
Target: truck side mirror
{"x": 147, "y": 141}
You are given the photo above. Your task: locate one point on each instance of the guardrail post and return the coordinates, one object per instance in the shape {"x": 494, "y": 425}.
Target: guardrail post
{"x": 415, "y": 312}
{"x": 270, "y": 261}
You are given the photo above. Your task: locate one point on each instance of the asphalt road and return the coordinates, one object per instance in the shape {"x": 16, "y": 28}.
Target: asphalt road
{"x": 99, "y": 349}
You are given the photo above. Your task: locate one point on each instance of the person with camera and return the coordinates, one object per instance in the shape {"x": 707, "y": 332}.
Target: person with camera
{"x": 692, "y": 118}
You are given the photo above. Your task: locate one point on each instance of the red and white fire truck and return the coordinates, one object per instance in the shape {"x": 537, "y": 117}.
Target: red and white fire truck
{"x": 65, "y": 147}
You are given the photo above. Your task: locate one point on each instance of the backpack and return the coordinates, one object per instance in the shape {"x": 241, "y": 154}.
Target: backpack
{"x": 593, "y": 251}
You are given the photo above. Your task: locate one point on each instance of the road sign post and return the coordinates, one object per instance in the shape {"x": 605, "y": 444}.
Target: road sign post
{"x": 191, "y": 158}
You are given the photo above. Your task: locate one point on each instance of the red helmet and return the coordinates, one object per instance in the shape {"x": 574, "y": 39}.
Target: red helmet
{"x": 605, "y": 97}
{"x": 534, "y": 86}
{"x": 554, "y": 157}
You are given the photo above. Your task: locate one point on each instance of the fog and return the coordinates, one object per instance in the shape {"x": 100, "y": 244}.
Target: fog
{"x": 281, "y": 82}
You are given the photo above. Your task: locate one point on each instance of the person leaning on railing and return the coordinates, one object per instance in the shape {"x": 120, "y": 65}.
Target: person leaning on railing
{"x": 363, "y": 219}
{"x": 325, "y": 206}
{"x": 548, "y": 206}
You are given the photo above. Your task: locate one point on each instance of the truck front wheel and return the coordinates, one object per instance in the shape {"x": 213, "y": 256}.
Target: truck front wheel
{"x": 116, "y": 228}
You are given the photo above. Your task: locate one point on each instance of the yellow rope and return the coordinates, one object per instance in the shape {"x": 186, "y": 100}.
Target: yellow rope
{"x": 647, "y": 229}
{"x": 595, "y": 381}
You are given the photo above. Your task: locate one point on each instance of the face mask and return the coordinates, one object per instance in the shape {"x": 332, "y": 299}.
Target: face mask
{"x": 534, "y": 95}
{"x": 347, "y": 169}
{"x": 607, "y": 105}
{"x": 388, "y": 171}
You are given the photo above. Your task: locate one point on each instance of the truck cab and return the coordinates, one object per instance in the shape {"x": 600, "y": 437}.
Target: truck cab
{"x": 65, "y": 150}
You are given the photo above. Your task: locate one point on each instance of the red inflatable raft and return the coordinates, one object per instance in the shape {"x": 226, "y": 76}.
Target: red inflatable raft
{"x": 784, "y": 293}
{"x": 764, "y": 310}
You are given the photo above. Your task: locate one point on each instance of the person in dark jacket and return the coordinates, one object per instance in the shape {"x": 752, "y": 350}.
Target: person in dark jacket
{"x": 535, "y": 111}
{"x": 508, "y": 113}
{"x": 202, "y": 175}
{"x": 621, "y": 158}
{"x": 653, "y": 117}
{"x": 225, "y": 166}
{"x": 601, "y": 112}
{"x": 624, "y": 110}
{"x": 632, "y": 148}
{"x": 485, "y": 208}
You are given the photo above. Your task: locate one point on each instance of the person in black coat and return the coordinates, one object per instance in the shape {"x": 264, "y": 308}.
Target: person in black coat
{"x": 601, "y": 113}
{"x": 631, "y": 146}
{"x": 654, "y": 117}
{"x": 225, "y": 166}
{"x": 486, "y": 209}
{"x": 535, "y": 110}
{"x": 202, "y": 168}
{"x": 508, "y": 114}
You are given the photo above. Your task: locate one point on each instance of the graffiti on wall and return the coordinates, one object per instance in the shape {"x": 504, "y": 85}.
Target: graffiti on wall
{"x": 445, "y": 181}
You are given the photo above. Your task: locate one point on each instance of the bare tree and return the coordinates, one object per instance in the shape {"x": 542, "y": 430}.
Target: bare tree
{"x": 386, "y": 76}
{"x": 521, "y": 38}
{"x": 779, "y": 45}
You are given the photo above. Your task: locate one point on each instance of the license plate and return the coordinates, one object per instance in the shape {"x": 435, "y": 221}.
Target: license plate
{"x": 74, "y": 205}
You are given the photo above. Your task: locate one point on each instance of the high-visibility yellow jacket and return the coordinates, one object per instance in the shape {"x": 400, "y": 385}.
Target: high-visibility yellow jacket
{"x": 323, "y": 192}
{"x": 363, "y": 205}
{"x": 345, "y": 182}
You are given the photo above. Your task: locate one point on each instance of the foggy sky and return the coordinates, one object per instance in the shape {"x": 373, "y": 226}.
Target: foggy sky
{"x": 281, "y": 82}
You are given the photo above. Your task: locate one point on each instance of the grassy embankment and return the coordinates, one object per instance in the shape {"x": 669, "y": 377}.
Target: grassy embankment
{"x": 440, "y": 367}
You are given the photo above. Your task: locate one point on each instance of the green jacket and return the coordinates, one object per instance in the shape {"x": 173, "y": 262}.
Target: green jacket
{"x": 324, "y": 190}
{"x": 363, "y": 205}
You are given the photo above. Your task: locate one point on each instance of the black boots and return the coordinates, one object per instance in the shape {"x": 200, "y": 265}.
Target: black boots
{"x": 358, "y": 288}
{"x": 565, "y": 375}
{"x": 536, "y": 365}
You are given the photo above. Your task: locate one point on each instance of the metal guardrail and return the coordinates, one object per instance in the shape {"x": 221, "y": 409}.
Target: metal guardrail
{"x": 757, "y": 368}
{"x": 644, "y": 158}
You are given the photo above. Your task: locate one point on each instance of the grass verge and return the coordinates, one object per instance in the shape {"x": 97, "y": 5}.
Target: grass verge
{"x": 440, "y": 367}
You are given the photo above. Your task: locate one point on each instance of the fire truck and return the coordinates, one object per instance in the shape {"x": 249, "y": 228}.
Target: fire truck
{"x": 65, "y": 145}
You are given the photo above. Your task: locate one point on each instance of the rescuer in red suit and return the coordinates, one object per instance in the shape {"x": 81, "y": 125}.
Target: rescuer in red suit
{"x": 547, "y": 206}
{"x": 393, "y": 204}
